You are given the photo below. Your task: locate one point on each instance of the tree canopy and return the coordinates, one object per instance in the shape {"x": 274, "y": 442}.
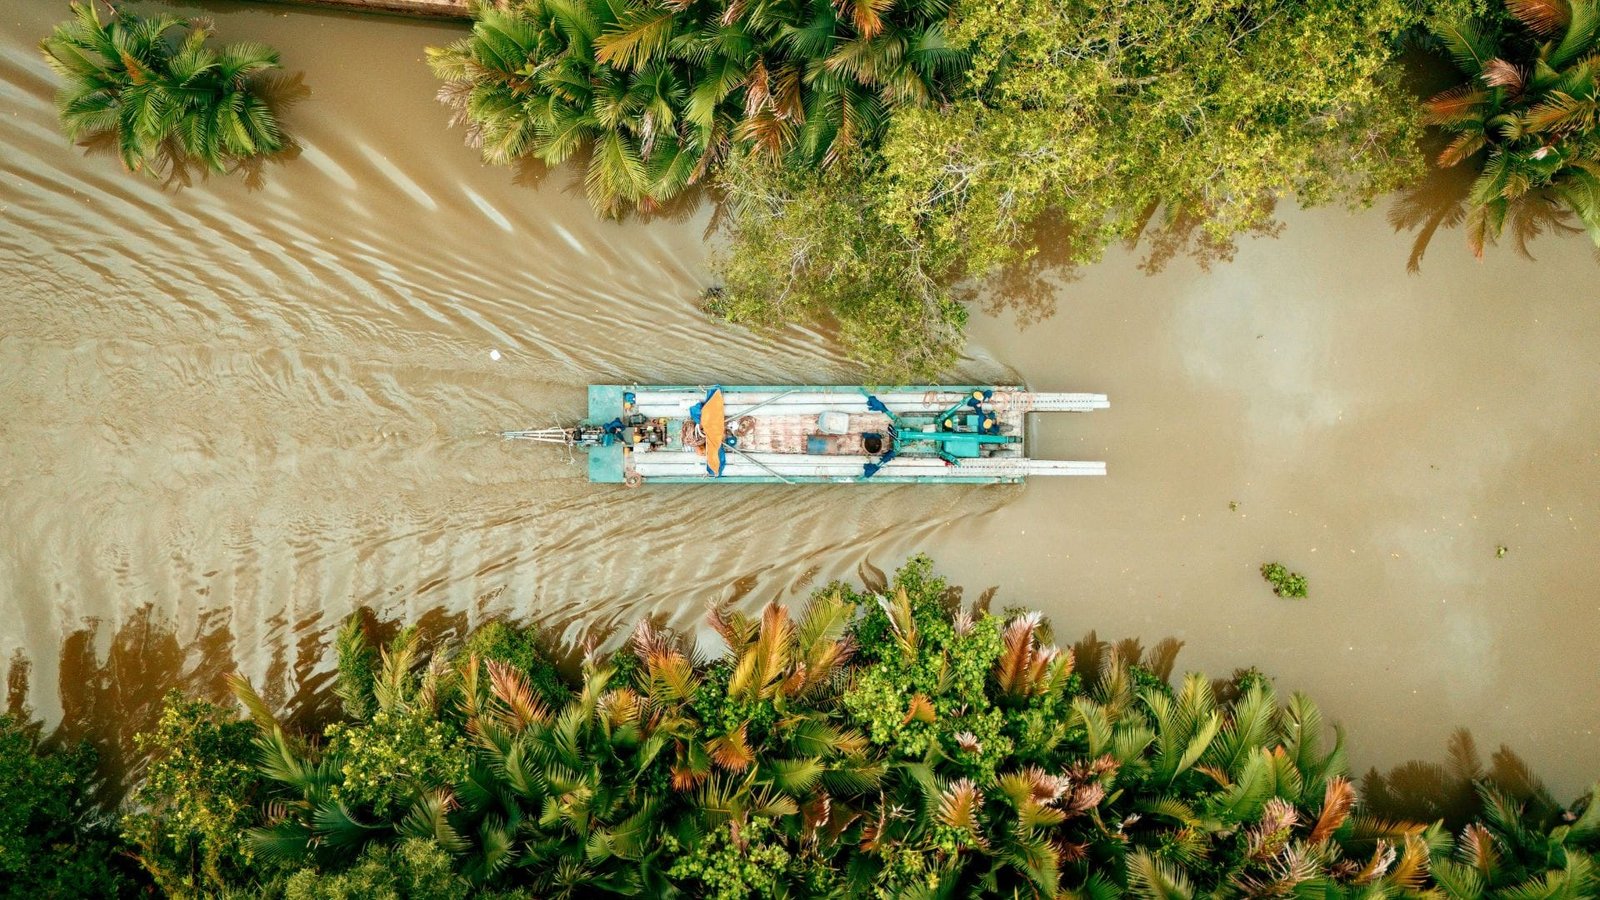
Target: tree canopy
{"x": 1081, "y": 123}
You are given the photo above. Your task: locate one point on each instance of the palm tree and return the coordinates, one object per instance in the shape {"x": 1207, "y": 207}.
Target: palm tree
{"x": 1237, "y": 799}
{"x": 658, "y": 92}
{"x": 528, "y": 83}
{"x": 1531, "y": 107}
{"x": 166, "y": 98}
{"x": 1524, "y": 846}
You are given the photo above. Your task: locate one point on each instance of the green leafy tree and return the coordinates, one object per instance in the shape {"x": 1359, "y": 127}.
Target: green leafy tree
{"x": 160, "y": 94}
{"x": 54, "y": 839}
{"x": 198, "y": 798}
{"x": 1078, "y": 124}
{"x": 1528, "y": 115}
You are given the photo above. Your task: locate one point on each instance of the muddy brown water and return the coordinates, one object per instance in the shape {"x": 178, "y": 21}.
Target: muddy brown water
{"x": 230, "y": 416}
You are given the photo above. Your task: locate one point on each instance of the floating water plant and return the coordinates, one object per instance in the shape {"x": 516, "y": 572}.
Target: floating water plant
{"x": 1284, "y": 582}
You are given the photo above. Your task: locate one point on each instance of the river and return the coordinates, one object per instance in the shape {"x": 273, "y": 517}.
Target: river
{"x": 231, "y": 414}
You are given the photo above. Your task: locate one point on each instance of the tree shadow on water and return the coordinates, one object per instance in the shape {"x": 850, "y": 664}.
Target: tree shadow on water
{"x": 1423, "y": 791}
{"x": 1440, "y": 201}
{"x": 107, "y": 699}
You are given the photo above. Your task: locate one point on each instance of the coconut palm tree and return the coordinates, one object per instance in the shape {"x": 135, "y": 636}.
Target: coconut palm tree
{"x": 166, "y": 98}
{"x": 1529, "y": 110}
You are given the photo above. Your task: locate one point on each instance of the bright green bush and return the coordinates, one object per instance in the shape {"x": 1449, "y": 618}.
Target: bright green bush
{"x": 413, "y": 869}
{"x": 200, "y": 794}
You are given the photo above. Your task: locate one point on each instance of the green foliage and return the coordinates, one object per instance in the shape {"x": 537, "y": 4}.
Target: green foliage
{"x": 160, "y": 94}
{"x": 413, "y": 869}
{"x": 894, "y": 745}
{"x": 1079, "y": 124}
{"x": 926, "y": 691}
{"x": 725, "y": 867}
{"x": 53, "y": 841}
{"x": 806, "y": 246}
{"x": 1527, "y": 115}
{"x": 1284, "y": 582}
{"x": 198, "y": 797}
{"x": 388, "y": 760}
{"x": 655, "y": 93}
{"x": 520, "y": 648}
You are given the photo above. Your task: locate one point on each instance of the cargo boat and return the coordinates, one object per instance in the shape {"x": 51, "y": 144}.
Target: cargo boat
{"x": 950, "y": 434}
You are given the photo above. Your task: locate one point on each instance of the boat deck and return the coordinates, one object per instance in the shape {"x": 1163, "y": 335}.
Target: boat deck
{"x": 774, "y": 427}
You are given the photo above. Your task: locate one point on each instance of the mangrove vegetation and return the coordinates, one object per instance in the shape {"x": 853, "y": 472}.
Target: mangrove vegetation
{"x": 879, "y": 163}
{"x": 890, "y": 742}
{"x": 1525, "y": 115}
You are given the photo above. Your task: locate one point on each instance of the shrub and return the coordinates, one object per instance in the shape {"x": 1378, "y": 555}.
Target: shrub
{"x": 196, "y": 801}
{"x": 873, "y": 745}
{"x": 54, "y": 842}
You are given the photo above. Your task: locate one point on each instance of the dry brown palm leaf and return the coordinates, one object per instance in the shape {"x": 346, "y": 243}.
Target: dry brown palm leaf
{"x": 1269, "y": 836}
{"x": 865, "y": 15}
{"x": 649, "y": 641}
{"x": 814, "y": 815}
{"x": 687, "y": 778}
{"x": 732, "y": 14}
{"x": 1543, "y": 17}
{"x": 1014, "y": 671}
{"x": 621, "y": 707}
{"x": 1086, "y": 797}
{"x": 1452, "y": 105}
{"x": 827, "y": 659}
{"x": 671, "y": 676}
{"x": 1478, "y": 230}
{"x": 1383, "y": 857}
{"x": 1294, "y": 867}
{"x": 786, "y": 94}
{"x": 511, "y": 688}
{"x": 732, "y": 751}
{"x": 1499, "y": 73}
{"x": 1411, "y": 871}
{"x": 757, "y": 88}
{"x": 920, "y": 709}
{"x": 1463, "y": 146}
{"x": 959, "y": 806}
{"x": 1477, "y": 848}
{"x": 874, "y": 829}
{"x": 1337, "y": 801}
{"x": 734, "y": 629}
